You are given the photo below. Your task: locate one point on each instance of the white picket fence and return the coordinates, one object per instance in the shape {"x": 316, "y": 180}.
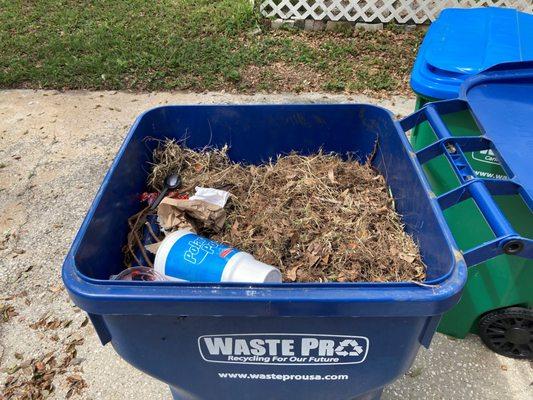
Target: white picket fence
{"x": 401, "y": 11}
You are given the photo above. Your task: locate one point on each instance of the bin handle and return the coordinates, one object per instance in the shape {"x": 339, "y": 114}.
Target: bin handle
{"x": 507, "y": 240}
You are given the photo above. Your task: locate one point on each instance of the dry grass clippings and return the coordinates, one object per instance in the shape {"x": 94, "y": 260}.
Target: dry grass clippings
{"x": 318, "y": 218}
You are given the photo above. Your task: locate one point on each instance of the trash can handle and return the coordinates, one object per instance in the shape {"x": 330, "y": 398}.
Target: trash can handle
{"x": 481, "y": 190}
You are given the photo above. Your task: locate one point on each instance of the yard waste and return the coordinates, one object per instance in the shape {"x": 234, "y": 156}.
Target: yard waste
{"x": 319, "y": 218}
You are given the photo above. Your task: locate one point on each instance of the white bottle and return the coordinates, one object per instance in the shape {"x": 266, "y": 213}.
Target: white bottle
{"x": 186, "y": 256}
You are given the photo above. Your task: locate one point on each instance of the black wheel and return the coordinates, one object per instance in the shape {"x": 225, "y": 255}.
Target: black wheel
{"x": 508, "y": 332}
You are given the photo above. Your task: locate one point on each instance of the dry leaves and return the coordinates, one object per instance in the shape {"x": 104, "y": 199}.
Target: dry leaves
{"x": 47, "y": 323}
{"x": 8, "y": 312}
{"x": 33, "y": 379}
{"x": 76, "y": 385}
{"x": 318, "y": 218}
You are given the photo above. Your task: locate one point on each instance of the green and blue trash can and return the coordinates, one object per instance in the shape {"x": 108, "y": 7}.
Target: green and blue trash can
{"x": 498, "y": 298}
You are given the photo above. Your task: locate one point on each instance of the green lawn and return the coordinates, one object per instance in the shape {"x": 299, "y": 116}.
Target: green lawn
{"x": 191, "y": 45}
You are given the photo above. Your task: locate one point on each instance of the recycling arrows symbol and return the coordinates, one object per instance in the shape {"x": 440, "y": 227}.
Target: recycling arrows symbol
{"x": 350, "y": 344}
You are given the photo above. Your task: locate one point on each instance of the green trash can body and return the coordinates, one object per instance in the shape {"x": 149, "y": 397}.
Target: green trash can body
{"x": 458, "y": 45}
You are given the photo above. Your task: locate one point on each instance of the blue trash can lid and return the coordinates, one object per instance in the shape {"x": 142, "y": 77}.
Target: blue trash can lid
{"x": 463, "y": 42}
{"x": 501, "y": 101}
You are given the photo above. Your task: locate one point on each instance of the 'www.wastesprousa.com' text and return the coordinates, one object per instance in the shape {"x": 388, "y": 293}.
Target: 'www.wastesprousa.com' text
{"x": 283, "y": 377}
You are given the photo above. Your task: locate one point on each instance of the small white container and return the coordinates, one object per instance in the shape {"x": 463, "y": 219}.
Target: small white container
{"x": 186, "y": 256}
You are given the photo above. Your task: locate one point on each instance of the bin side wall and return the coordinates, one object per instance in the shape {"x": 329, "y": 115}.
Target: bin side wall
{"x": 411, "y": 200}
{"x": 170, "y": 349}
{"x": 100, "y": 252}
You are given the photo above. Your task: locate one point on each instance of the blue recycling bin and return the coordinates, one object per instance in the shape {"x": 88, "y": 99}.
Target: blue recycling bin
{"x": 269, "y": 341}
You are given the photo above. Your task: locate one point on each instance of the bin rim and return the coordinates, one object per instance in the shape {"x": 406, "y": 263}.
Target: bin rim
{"x": 336, "y": 299}
{"x": 131, "y": 298}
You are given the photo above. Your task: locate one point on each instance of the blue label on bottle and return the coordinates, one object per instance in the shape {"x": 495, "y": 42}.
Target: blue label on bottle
{"x": 196, "y": 259}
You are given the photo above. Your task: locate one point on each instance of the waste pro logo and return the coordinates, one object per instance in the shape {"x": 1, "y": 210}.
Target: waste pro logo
{"x": 283, "y": 349}
{"x": 486, "y": 156}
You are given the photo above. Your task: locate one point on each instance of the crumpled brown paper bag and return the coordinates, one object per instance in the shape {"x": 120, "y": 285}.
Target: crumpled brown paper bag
{"x": 171, "y": 214}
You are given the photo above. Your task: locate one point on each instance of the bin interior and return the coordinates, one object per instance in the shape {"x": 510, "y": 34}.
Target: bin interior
{"x": 254, "y": 134}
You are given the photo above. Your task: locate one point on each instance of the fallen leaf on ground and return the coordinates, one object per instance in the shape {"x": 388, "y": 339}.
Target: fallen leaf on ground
{"x": 8, "y": 312}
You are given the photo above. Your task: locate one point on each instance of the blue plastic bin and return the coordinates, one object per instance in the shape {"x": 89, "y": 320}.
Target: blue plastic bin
{"x": 464, "y": 42}
{"x": 277, "y": 341}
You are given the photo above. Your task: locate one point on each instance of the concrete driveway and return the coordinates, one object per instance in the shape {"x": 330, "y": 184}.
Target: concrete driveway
{"x": 54, "y": 150}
